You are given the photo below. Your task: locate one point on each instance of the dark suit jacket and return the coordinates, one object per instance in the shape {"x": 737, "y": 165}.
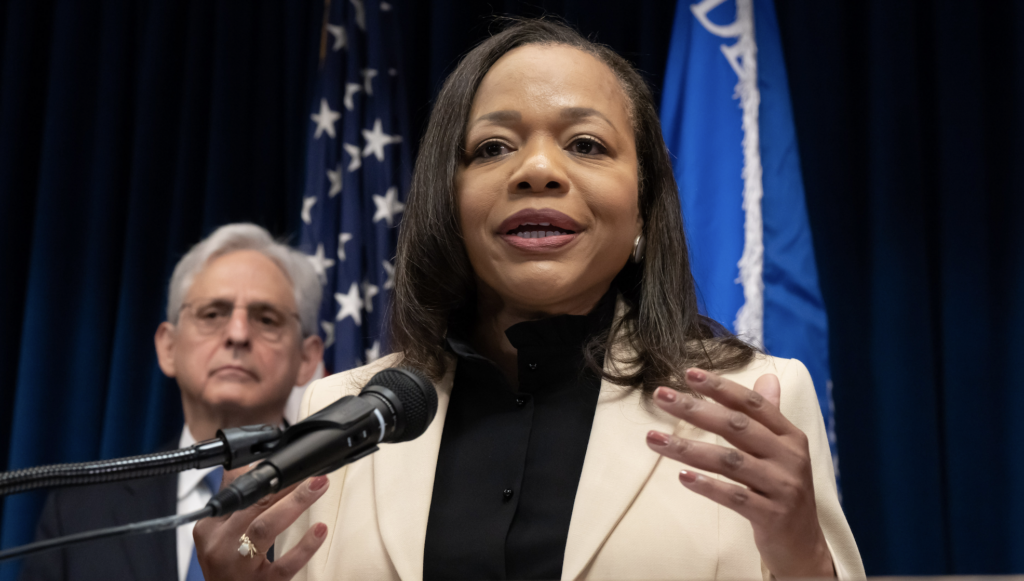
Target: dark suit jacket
{"x": 149, "y": 557}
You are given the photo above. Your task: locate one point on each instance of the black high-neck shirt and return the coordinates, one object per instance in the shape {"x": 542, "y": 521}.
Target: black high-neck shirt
{"x": 510, "y": 461}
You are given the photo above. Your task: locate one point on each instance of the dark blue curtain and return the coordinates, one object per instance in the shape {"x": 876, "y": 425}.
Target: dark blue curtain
{"x": 128, "y": 130}
{"x": 911, "y": 134}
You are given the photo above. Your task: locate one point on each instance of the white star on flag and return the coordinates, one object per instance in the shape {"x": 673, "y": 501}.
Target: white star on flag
{"x": 360, "y": 13}
{"x": 328, "y": 333}
{"x": 340, "y": 38}
{"x": 350, "y": 90}
{"x": 370, "y": 290}
{"x": 376, "y": 140}
{"x": 368, "y": 75}
{"x": 335, "y": 178}
{"x": 320, "y": 262}
{"x": 373, "y": 353}
{"x": 351, "y": 305}
{"x": 342, "y": 239}
{"x": 355, "y": 161}
{"x": 307, "y": 206}
{"x": 353, "y": 213}
{"x": 387, "y": 206}
{"x": 325, "y": 120}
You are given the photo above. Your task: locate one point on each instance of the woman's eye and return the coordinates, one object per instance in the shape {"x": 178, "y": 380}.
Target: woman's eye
{"x": 491, "y": 149}
{"x": 586, "y": 146}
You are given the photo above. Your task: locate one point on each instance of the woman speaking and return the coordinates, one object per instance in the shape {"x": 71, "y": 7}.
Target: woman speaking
{"x": 591, "y": 424}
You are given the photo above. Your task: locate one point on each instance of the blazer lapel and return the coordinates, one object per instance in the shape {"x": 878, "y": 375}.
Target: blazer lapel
{"x": 403, "y": 486}
{"x": 617, "y": 465}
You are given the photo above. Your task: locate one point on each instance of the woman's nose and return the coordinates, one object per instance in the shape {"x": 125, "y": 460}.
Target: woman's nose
{"x": 541, "y": 170}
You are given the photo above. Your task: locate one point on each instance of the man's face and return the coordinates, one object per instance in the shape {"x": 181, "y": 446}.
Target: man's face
{"x": 237, "y": 348}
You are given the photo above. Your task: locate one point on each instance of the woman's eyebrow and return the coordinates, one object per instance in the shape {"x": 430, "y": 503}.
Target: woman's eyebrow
{"x": 509, "y": 117}
{"x": 505, "y": 117}
{"x": 577, "y": 113}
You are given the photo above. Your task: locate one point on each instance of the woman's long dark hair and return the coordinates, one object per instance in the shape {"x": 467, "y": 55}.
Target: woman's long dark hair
{"x": 661, "y": 326}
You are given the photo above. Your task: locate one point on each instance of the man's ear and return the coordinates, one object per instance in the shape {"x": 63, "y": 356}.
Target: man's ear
{"x": 164, "y": 342}
{"x": 312, "y": 353}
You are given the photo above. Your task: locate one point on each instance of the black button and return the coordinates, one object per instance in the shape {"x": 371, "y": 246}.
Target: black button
{"x": 520, "y": 401}
{"x": 532, "y": 366}
{"x": 507, "y": 494}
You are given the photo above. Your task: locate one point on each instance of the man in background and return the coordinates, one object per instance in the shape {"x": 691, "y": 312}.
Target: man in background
{"x": 240, "y": 333}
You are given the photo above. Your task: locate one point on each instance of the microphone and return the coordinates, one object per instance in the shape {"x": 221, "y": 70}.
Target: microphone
{"x": 395, "y": 406}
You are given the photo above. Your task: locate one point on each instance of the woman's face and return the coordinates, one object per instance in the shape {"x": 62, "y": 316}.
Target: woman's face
{"x": 547, "y": 192}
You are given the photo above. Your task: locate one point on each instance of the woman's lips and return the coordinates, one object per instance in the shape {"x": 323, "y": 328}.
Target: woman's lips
{"x": 539, "y": 230}
{"x": 546, "y": 243}
{"x": 554, "y": 218}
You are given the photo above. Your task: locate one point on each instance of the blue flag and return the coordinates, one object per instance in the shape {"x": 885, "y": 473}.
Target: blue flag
{"x": 357, "y": 176}
{"x": 727, "y": 120}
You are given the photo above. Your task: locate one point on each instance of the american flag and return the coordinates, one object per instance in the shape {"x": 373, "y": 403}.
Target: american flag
{"x": 357, "y": 176}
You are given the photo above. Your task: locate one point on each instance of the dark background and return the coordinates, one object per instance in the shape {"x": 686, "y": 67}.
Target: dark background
{"x": 128, "y": 130}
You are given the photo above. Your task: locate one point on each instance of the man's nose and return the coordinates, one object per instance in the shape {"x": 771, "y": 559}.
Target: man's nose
{"x": 542, "y": 169}
{"x": 239, "y": 331}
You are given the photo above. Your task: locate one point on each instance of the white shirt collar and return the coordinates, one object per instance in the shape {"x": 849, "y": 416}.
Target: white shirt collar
{"x": 190, "y": 479}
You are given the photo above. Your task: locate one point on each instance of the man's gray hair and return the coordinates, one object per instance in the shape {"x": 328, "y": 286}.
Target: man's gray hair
{"x": 233, "y": 237}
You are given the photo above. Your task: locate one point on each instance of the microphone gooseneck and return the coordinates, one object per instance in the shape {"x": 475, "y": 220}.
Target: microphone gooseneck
{"x": 396, "y": 405}
{"x": 233, "y": 447}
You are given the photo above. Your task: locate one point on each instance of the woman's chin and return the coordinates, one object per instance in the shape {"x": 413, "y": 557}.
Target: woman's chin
{"x": 569, "y": 285}
{"x": 549, "y": 297}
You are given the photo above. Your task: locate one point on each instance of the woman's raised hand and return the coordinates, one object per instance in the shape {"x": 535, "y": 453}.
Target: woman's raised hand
{"x": 771, "y": 462}
{"x": 218, "y": 538}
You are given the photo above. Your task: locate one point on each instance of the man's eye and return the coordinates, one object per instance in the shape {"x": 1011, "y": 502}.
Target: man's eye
{"x": 586, "y": 146}
{"x": 210, "y": 314}
{"x": 269, "y": 318}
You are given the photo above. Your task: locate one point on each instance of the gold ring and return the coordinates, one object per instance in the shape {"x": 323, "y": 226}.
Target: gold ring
{"x": 246, "y": 548}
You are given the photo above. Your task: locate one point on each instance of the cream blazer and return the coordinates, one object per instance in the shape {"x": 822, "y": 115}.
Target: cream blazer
{"x": 632, "y": 519}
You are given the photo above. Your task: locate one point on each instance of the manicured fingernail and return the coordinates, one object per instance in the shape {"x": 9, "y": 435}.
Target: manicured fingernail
{"x": 695, "y": 375}
{"x": 320, "y": 530}
{"x": 666, "y": 395}
{"x": 657, "y": 438}
{"x": 687, "y": 477}
{"x": 317, "y": 482}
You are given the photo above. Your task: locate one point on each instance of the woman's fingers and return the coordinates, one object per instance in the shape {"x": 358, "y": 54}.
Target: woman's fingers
{"x": 736, "y": 427}
{"x": 758, "y": 474}
{"x": 734, "y": 396}
{"x": 771, "y": 464}
{"x": 768, "y": 385}
{"x": 218, "y": 539}
{"x": 749, "y": 504}
{"x": 286, "y": 566}
{"x": 239, "y": 521}
{"x": 272, "y": 520}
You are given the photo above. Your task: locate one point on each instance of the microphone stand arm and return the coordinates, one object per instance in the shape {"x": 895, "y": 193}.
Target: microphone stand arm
{"x": 231, "y": 448}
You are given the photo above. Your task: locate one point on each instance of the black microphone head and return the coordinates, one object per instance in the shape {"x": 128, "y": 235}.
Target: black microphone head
{"x": 417, "y": 399}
